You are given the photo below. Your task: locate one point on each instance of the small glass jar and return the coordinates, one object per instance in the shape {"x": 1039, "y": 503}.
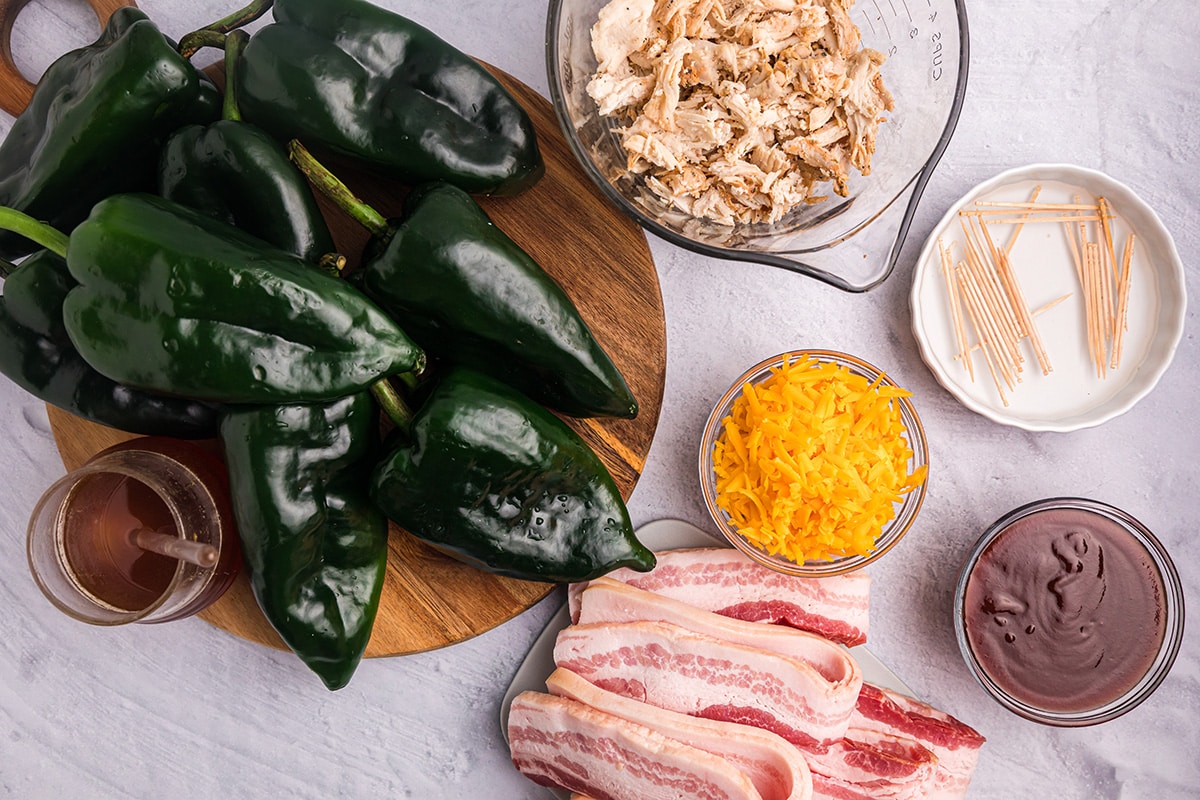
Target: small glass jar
{"x": 1069, "y": 612}
{"x": 143, "y": 532}
{"x": 905, "y": 510}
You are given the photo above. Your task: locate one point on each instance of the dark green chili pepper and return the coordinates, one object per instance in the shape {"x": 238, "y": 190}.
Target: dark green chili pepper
{"x": 369, "y": 84}
{"x": 315, "y": 546}
{"x": 170, "y": 300}
{"x": 496, "y": 480}
{"x": 37, "y": 355}
{"x": 468, "y": 294}
{"x": 236, "y": 172}
{"x": 94, "y": 125}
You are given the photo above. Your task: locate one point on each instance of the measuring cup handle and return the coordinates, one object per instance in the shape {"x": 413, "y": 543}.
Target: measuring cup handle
{"x": 15, "y": 88}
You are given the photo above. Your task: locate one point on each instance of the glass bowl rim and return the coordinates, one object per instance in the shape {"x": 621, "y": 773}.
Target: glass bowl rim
{"x": 917, "y": 182}
{"x": 1173, "y": 604}
{"x": 907, "y": 509}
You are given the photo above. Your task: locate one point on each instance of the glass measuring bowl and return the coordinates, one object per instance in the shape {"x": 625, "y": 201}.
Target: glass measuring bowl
{"x": 849, "y": 242}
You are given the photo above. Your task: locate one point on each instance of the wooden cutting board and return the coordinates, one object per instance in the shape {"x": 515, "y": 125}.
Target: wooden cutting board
{"x": 15, "y": 88}
{"x": 601, "y": 259}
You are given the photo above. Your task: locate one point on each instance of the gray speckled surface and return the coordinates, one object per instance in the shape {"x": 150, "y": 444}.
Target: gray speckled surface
{"x": 187, "y": 711}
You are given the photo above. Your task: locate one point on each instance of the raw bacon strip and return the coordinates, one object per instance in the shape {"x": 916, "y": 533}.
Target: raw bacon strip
{"x": 606, "y": 600}
{"x": 692, "y": 673}
{"x": 725, "y": 581}
{"x": 865, "y": 765}
{"x": 868, "y": 765}
{"x": 773, "y": 765}
{"x": 559, "y": 742}
{"x": 955, "y": 743}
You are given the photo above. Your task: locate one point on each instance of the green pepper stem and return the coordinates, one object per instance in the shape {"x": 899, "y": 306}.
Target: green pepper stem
{"x": 195, "y": 41}
{"x": 235, "y": 42}
{"x": 392, "y": 404}
{"x": 48, "y": 237}
{"x": 242, "y": 16}
{"x": 410, "y": 379}
{"x": 332, "y": 264}
{"x": 332, "y": 187}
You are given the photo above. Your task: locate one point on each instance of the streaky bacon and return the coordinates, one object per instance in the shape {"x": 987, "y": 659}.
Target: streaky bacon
{"x": 606, "y": 600}
{"x": 868, "y": 765}
{"x": 774, "y": 766}
{"x": 560, "y": 742}
{"x": 693, "y": 673}
{"x": 955, "y": 743}
{"x": 724, "y": 581}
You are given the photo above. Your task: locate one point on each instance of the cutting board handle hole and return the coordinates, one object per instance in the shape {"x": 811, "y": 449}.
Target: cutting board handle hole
{"x": 33, "y": 36}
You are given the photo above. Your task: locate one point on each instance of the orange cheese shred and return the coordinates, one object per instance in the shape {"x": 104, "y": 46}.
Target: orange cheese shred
{"x": 812, "y": 461}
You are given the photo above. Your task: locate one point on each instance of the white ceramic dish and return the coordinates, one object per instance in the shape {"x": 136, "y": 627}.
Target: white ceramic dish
{"x": 1071, "y": 396}
{"x": 665, "y": 534}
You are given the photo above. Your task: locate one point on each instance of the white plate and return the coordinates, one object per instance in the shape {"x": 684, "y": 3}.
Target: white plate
{"x": 664, "y": 534}
{"x": 1071, "y": 396}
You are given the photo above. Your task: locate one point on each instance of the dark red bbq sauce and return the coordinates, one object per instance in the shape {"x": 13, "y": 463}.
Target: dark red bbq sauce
{"x": 1064, "y": 610}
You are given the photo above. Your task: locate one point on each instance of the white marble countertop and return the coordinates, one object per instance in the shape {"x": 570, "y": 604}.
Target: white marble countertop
{"x": 188, "y": 711}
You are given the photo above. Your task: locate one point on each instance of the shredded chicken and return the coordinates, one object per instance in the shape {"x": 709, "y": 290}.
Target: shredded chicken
{"x": 740, "y": 110}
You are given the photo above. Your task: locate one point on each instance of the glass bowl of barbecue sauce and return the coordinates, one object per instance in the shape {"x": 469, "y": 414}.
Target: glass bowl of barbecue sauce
{"x": 1069, "y": 612}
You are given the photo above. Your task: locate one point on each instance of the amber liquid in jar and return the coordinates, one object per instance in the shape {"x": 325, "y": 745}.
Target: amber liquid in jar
{"x": 143, "y": 532}
{"x": 97, "y": 540}
{"x": 1065, "y": 610}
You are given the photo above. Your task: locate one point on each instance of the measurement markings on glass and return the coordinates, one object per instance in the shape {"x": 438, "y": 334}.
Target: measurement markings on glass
{"x": 938, "y": 54}
{"x": 886, "y": 31}
{"x": 937, "y": 49}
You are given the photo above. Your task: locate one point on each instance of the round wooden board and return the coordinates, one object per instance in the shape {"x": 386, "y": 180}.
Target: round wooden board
{"x": 601, "y": 259}
{"x": 15, "y": 88}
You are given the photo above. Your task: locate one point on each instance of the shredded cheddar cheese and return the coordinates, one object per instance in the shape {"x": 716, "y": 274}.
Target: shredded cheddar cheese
{"x": 811, "y": 461}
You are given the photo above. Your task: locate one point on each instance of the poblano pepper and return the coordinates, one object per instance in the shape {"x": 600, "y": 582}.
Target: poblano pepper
{"x": 493, "y": 478}
{"x": 234, "y": 171}
{"x": 94, "y": 124}
{"x": 37, "y": 355}
{"x": 369, "y": 84}
{"x": 173, "y": 301}
{"x": 468, "y": 294}
{"x": 315, "y": 546}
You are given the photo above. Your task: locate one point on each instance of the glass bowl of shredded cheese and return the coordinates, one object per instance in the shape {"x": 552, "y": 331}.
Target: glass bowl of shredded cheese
{"x": 814, "y": 463}
{"x": 798, "y": 134}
